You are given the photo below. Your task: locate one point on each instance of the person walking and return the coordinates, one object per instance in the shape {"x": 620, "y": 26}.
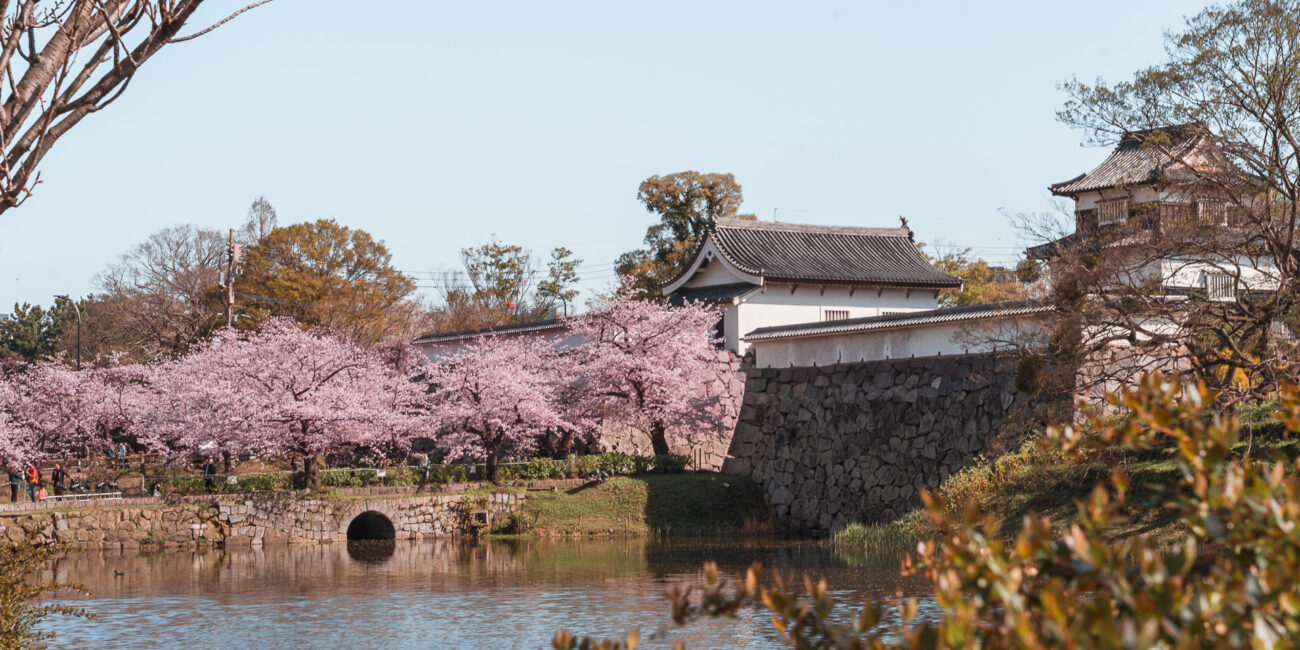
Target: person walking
{"x": 209, "y": 475}
{"x": 15, "y": 481}
{"x": 60, "y": 479}
{"x": 33, "y": 479}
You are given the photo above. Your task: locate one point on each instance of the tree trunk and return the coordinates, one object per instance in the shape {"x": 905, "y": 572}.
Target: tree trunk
{"x": 491, "y": 466}
{"x": 311, "y": 472}
{"x": 659, "y": 439}
{"x": 225, "y": 461}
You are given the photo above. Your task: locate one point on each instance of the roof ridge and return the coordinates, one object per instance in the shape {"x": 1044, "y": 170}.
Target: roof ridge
{"x": 494, "y": 329}
{"x": 904, "y": 319}
{"x": 785, "y": 226}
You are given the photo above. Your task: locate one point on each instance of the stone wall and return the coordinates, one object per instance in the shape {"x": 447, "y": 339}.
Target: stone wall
{"x": 124, "y": 527}
{"x": 250, "y": 521}
{"x": 855, "y": 442}
{"x": 296, "y": 520}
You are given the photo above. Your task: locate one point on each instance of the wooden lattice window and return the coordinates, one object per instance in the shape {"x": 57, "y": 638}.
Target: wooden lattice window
{"x": 1220, "y": 286}
{"x": 1212, "y": 212}
{"x": 835, "y": 314}
{"x": 1112, "y": 212}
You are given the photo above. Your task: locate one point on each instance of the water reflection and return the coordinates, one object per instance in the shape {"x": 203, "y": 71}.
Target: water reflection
{"x": 372, "y": 551}
{"x": 433, "y": 594}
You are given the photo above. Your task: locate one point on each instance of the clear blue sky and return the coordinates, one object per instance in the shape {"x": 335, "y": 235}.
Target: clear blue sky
{"x": 434, "y": 125}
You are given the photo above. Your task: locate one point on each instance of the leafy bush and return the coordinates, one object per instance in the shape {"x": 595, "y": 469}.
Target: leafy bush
{"x": 671, "y": 463}
{"x": 21, "y": 595}
{"x": 534, "y": 469}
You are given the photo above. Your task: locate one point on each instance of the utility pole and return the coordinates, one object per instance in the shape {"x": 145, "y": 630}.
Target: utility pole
{"x": 232, "y": 258}
{"x": 76, "y": 308}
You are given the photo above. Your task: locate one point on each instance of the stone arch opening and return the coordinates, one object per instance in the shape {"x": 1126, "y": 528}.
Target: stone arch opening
{"x": 371, "y": 525}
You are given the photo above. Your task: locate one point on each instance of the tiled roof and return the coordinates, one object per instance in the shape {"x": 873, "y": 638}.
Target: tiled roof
{"x": 1132, "y": 163}
{"x": 829, "y": 254}
{"x": 709, "y": 294}
{"x": 513, "y": 328}
{"x": 898, "y": 321}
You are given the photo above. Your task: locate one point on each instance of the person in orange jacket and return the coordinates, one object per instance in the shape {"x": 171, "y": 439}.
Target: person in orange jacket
{"x": 33, "y": 479}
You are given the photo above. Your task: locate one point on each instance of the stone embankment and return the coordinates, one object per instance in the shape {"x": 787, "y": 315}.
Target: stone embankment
{"x": 257, "y": 519}
{"x": 856, "y": 442}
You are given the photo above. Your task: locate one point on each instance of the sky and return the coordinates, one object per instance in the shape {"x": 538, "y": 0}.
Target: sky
{"x": 438, "y": 125}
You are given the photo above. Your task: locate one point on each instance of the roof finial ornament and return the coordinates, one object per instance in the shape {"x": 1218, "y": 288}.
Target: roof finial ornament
{"x": 903, "y": 221}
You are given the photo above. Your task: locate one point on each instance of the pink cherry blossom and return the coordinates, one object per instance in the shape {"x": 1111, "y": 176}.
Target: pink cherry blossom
{"x": 284, "y": 391}
{"x": 658, "y": 368}
{"x": 48, "y": 409}
{"x": 494, "y": 399}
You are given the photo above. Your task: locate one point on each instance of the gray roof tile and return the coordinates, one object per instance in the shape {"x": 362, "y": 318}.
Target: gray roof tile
{"x": 899, "y": 321}
{"x": 1134, "y": 160}
{"x": 512, "y": 328}
{"x": 828, "y": 254}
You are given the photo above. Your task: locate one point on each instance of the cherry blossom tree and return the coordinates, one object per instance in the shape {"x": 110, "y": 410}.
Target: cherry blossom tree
{"x": 12, "y": 448}
{"x": 495, "y": 397}
{"x": 48, "y": 409}
{"x": 287, "y": 391}
{"x": 657, "y": 368}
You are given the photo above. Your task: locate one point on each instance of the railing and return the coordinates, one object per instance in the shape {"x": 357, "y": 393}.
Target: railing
{"x": 95, "y": 496}
{"x": 1220, "y": 286}
{"x": 1156, "y": 216}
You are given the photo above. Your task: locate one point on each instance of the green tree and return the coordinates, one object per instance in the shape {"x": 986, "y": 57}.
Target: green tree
{"x": 685, "y": 203}
{"x": 34, "y": 333}
{"x": 326, "y": 275}
{"x": 26, "y": 335}
{"x": 560, "y": 285}
{"x": 498, "y": 286}
{"x": 982, "y": 284}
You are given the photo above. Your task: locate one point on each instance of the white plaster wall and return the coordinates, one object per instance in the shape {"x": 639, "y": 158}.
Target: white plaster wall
{"x": 731, "y": 327}
{"x": 939, "y": 339}
{"x": 1088, "y": 200}
{"x": 777, "y": 305}
{"x": 1191, "y": 274}
{"x": 713, "y": 270}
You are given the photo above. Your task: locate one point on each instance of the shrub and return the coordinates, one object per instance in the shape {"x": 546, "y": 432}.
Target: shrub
{"x": 987, "y": 476}
{"x": 21, "y": 595}
{"x": 671, "y": 463}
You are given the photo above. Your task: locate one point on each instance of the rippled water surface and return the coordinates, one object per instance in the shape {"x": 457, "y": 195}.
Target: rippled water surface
{"x": 434, "y": 594}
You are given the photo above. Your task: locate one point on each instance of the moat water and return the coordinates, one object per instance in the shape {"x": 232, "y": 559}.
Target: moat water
{"x": 444, "y": 594}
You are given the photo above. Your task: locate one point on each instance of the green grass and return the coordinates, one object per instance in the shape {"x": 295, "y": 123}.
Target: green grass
{"x": 888, "y": 538}
{"x": 1043, "y": 481}
{"x": 649, "y": 504}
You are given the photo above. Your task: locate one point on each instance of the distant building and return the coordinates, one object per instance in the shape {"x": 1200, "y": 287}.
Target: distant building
{"x": 952, "y": 331}
{"x": 1143, "y": 189}
{"x": 765, "y": 274}
{"x": 437, "y": 347}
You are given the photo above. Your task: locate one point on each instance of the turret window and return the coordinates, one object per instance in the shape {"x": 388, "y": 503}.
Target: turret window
{"x": 1112, "y": 212}
{"x": 1212, "y": 212}
{"x": 1220, "y": 286}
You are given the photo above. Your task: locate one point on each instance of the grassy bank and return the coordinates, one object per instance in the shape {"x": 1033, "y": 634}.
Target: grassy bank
{"x": 648, "y": 504}
{"x": 1040, "y": 479}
